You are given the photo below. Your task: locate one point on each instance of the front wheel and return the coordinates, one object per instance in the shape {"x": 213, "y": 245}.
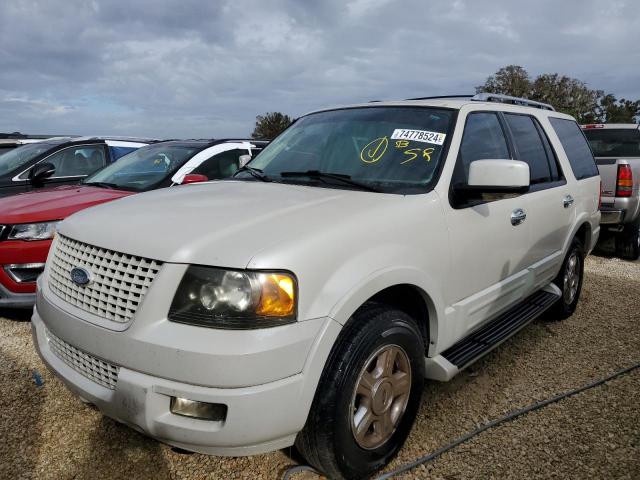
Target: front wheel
{"x": 368, "y": 395}
{"x": 569, "y": 281}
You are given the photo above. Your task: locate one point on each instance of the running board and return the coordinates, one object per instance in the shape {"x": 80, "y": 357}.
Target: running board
{"x": 459, "y": 356}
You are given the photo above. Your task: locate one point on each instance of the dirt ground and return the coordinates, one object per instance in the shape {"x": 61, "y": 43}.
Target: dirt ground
{"x": 48, "y": 433}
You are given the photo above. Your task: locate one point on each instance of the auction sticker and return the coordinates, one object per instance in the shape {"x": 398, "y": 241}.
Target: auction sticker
{"x": 418, "y": 136}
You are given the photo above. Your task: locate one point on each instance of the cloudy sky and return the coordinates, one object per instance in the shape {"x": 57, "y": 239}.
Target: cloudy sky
{"x": 184, "y": 68}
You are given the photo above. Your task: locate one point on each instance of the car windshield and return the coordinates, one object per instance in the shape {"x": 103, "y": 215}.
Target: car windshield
{"x": 387, "y": 149}
{"x": 20, "y": 156}
{"x": 614, "y": 142}
{"x": 143, "y": 168}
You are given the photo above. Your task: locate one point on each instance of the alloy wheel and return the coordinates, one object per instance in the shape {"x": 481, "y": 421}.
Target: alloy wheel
{"x": 381, "y": 396}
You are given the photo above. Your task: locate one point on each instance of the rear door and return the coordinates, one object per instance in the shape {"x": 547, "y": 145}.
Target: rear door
{"x": 551, "y": 210}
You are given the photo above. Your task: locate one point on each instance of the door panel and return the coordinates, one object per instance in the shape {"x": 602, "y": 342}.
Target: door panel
{"x": 549, "y": 222}
{"x": 488, "y": 259}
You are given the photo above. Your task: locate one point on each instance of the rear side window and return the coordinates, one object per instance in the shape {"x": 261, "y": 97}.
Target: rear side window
{"x": 576, "y": 147}
{"x": 529, "y": 147}
{"x": 614, "y": 142}
{"x": 117, "y": 152}
{"x": 483, "y": 139}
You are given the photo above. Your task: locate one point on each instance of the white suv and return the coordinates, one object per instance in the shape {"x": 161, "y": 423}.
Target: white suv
{"x": 306, "y": 300}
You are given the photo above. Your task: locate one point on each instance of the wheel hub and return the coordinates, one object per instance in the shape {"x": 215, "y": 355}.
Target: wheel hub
{"x": 382, "y": 396}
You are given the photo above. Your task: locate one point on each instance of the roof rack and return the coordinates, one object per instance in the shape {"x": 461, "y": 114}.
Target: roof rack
{"x": 438, "y": 97}
{"x": 496, "y": 97}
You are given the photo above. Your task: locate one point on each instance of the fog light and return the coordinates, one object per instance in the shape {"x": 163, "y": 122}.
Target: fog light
{"x": 202, "y": 410}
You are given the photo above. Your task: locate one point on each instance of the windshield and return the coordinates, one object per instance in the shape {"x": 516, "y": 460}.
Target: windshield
{"x": 144, "y": 168}
{"x": 389, "y": 149}
{"x": 614, "y": 142}
{"x": 20, "y": 156}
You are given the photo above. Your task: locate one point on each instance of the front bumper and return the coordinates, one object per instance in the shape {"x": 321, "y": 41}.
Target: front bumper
{"x": 20, "y": 294}
{"x": 260, "y": 418}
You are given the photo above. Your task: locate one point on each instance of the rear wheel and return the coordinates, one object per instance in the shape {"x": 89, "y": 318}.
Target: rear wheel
{"x": 368, "y": 395}
{"x": 569, "y": 281}
{"x": 628, "y": 242}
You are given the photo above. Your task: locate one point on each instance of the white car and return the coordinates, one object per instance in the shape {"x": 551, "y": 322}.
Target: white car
{"x": 306, "y": 300}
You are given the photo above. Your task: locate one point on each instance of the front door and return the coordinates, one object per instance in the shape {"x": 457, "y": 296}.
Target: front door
{"x": 72, "y": 164}
{"x": 488, "y": 246}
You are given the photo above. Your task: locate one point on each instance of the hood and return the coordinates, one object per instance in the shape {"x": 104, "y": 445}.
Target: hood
{"x": 222, "y": 223}
{"x": 53, "y": 203}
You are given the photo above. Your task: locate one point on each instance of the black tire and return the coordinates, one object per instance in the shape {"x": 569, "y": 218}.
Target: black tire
{"x": 566, "y": 304}
{"x": 327, "y": 441}
{"x": 628, "y": 242}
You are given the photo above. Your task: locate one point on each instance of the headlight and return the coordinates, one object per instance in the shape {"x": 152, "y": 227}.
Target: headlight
{"x": 234, "y": 299}
{"x": 33, "y": 231}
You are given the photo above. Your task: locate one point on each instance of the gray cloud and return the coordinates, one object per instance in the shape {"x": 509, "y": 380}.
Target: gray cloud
{"x": 199, "y": 69}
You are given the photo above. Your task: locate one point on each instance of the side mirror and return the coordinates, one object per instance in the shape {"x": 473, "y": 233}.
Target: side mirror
{"x": 40, "y": 172}
{"x": 496, "y": 176}
{"x": 194, "y": 178}
{"x": 243, "y": 160}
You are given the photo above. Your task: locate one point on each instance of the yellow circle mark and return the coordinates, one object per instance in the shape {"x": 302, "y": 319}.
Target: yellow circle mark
{"x": 374, "y": 150}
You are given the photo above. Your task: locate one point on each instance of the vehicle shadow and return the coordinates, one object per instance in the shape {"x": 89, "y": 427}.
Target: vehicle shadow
{"x": 116, "y": 451}
{"x": 17, "y": 314}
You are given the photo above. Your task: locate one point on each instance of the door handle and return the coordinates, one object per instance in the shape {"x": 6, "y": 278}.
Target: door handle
{"x": 518, "y": 216}
{"x": 567, "y": 201}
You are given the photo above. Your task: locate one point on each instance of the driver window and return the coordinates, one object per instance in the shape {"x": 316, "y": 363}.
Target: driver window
{"x": 483, "y": 138}
{"x": 77, "y": 161}
{"x": 222, "y": 165}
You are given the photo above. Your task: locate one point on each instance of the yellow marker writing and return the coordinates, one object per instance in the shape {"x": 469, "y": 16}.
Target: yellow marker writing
{"x": 374, "y": 150}
{"x": 413, "y": 153}
{"x": 402, "y": 143}
{"x": 427, "y": 153}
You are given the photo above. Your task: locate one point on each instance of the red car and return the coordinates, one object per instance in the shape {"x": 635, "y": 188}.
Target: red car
{"x": 28, "y": 221}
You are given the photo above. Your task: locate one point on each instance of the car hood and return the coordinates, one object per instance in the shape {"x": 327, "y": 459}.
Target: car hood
{"x": 53, "y": 203}
{"x": 222, "y": 223}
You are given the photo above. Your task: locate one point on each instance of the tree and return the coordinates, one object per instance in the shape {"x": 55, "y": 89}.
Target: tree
{"x": 270, "y": 125}
{"x": 566, "y": 94}
{"x": 510, "y": 80}
{"x": 619, "y": 111}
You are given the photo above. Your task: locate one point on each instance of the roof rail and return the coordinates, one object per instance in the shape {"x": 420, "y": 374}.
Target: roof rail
{"x": 440, "y": 96}
{"x": 496, "y": 97}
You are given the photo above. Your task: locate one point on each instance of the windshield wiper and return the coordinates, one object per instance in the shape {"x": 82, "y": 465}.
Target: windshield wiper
{"x": 255, "y": 173}
{"x": 346, "y": 179}
{"x": 102, "y": 184}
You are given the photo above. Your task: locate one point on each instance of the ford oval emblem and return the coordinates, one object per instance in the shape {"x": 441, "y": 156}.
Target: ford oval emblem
{"x": 81, "y": 276}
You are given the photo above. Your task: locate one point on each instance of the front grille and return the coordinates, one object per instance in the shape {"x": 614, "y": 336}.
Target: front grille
{"x": 99, "y": 371}
{"x": 119, "y": 283}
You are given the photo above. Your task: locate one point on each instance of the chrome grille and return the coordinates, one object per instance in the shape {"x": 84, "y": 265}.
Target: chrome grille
{"x": 119, "y": 284}
{"x": 99, "y": 371}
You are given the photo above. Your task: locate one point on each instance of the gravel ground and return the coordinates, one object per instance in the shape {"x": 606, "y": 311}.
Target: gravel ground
{"x": 47, "y": 433}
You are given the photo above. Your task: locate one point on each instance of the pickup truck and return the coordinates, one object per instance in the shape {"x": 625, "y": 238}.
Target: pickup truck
{"x": 616, "y": 147}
